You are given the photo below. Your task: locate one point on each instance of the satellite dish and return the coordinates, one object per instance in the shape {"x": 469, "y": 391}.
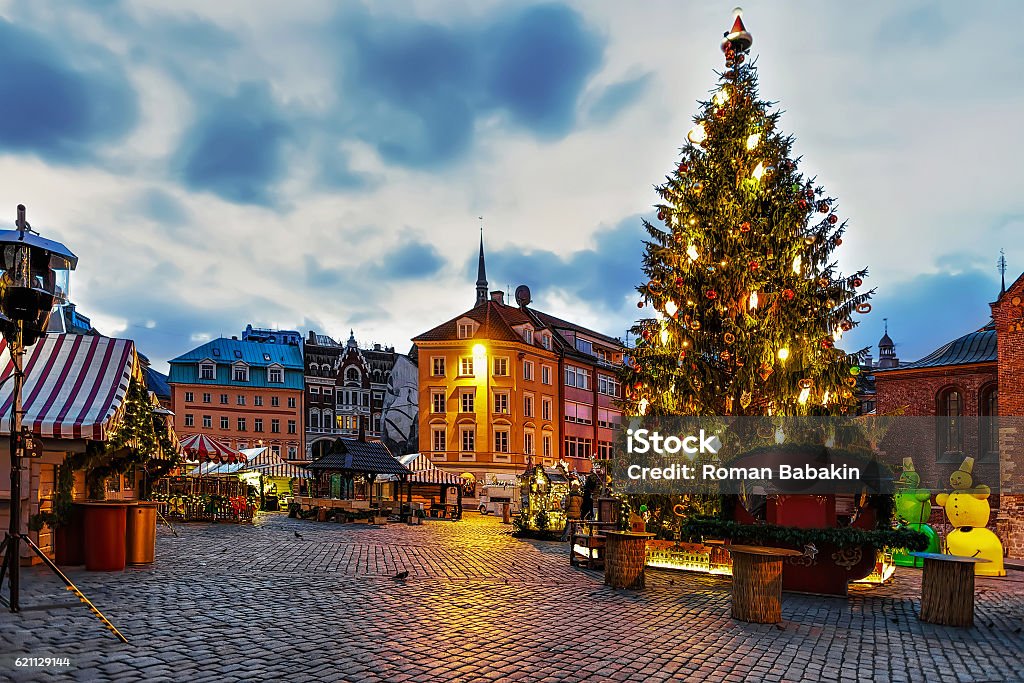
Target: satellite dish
{"x": 523, "y": 295}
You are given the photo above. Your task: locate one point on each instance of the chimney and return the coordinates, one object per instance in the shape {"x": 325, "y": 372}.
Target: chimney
{"x": 234, "y": 337}
{"x": 498, "y": 296}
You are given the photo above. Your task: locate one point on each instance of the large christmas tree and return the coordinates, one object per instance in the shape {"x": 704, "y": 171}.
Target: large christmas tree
{"x": 748, "y": 300}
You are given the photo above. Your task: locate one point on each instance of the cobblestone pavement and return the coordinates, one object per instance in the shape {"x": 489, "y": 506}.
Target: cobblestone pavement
{"x": 227, "y": 602}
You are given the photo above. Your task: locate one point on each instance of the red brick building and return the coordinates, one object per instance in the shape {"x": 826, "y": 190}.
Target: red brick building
{"x": 980, "y": 376}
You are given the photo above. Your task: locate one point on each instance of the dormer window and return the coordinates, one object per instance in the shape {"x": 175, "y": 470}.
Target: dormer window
{"x": 266, "y": 356}
{"x": 545, "y": 341}
{"x": 238, "y": 353}
{"x": 240, "y": 372}
{"x": 216, "y": 352}
{"x": 275, "y": 375}
{"x": 465, "y": 330}
{"x": 528, "y": 335}
{"x": 584, "y": 346}
{"x": 207, "y": 371}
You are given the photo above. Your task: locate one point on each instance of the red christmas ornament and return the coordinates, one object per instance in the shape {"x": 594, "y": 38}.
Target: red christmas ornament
{"x": 802, "y": 204}
{"x": 711, "y": 294}
{"x": 679, "y": 282}
{"x": 846, "y": 325}
{"x": 639, "y": 304}
{"x": 683, "y": 168}
{"x": 754, "y": 265}
{"x": 833, "y": 219}
{"x": 839, "y": 240}
{"x": 827, "y": 343}
{"x": 745, "y": 226}
{"x": 810, "y": 193}
{"x": 823, "y": 207}
{"x": 856, "y": 282}
{"x": 788, "y": 294}
{"x": 661, "y": 215}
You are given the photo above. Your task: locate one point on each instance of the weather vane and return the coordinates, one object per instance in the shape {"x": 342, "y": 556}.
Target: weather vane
{"x": 1001, "y": 265}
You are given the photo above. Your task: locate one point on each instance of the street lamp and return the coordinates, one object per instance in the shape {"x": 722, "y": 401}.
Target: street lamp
{"x": 34, "y": 275}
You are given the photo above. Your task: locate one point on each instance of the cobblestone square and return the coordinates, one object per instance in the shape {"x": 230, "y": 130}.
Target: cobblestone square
{"x": 306, "y": 601}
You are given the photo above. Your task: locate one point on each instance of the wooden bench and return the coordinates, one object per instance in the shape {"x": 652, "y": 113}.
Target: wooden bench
{"x": 587, "y": 543}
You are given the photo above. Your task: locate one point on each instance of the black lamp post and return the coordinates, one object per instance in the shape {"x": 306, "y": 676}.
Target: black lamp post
{"x": 34, "y": 274}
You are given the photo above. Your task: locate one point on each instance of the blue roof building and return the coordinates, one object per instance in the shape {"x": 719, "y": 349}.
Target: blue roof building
{"x": 242, "y": 363}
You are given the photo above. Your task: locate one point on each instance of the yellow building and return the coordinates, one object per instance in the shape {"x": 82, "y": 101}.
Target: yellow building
{"x": 502, "y": 385}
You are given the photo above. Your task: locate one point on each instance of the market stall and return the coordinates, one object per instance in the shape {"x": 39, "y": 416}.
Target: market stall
{"x": 438, "y": 492}
{"x": 212, "y": 490}
{"x": 275, "y": 480}
{"x": 543, "y": 493}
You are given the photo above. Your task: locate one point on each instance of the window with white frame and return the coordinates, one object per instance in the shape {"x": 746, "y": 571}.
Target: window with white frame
{"x": 501, "y": 441}
{"x": 315, "y": 391}
{"x": 293, "y": 452}
{"x": 276, "y": 450}
{"x": 274, "y": 401}
{"x": 604, "y": 450}
{"x": 609, "y": 386}
{"x": 314, "y": 419}
{"x": 190, "y": 420}
{"x": 207, "y": 421}
{"x": 466, "y": 366}
{"x": 545, "y": 408}
{"x": 207, "y": 371}
{"x": 501, "y": 367}
{"x": 501, "y": 402}
{"x": 465, "y": 330}
{"x": 528, "y": 335}
{"x": 545, "y": 444}
{"x": 437, "y": 401}
{"x": 439, "y": 439}
{"x": 580, "y": 413}
{"x": 528, "y": 370}
{"x": 257, "y": 424}
{"x": 528, "y": 442}
{"x": 437, "y": 366}
{"x": 545, "y": 341}
{"x": 468, "y": 435}
{"x": 585, "y": 346}
{"x": 189, "y": 397}
{"x": 207, "y": 398}
{"x": 467, "y": 401}
{"x": 545, "y": 374}
{"x": 240, "y": 399}
{"x": 240, "y": 372}
{"x": 577, "y": 377}
{"x": 275, "y": 375}
{"x": 610, "y": 419}
{"x": 576, "y": 447}
{"x": 225, "y": 423}
{"x": 527, "y": 405}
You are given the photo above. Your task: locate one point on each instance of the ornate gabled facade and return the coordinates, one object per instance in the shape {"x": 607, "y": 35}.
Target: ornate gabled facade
{"x": 345, "y": 385}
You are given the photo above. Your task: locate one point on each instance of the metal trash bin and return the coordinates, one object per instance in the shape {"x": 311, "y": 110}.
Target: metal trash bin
{"x": 140, "y": 533}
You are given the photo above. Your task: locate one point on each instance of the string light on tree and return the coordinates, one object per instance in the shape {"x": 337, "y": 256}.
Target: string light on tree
{"x": 747, "y": 242}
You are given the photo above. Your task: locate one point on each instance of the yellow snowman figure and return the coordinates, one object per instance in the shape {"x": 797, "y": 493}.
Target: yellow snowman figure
{"x": 968, "y": 510}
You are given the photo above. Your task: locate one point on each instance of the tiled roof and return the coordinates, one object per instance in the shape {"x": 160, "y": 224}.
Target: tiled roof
{"x": 157, "y": 383}
{"x": 254, "y": 353}
{"x": 363, "y": 457}
{"x": 976, "y": 347}
{"x": 497, "y": 320}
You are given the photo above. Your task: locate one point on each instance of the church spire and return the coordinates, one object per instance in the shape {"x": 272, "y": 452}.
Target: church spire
{"x": 481, "y": 272}
{"x": 1001, "y": 265}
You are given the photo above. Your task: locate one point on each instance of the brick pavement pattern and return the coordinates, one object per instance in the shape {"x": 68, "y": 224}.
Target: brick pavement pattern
{"x": 226, "y": 602}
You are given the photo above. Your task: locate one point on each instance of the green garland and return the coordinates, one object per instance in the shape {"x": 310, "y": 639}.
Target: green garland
{"x": 697, "y": 529}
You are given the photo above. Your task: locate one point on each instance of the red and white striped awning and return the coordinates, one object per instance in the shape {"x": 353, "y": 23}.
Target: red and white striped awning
{"x": 435, "y": 476}
{"x": 208, "y": 449}
{"x": 74, "y": 385}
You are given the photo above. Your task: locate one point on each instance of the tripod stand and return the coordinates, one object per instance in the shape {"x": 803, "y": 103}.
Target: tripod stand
{"x": 11, "y": 546}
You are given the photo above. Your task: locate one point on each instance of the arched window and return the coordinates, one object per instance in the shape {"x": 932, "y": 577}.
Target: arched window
{"x": 351, "y": 375}
{"x": 988, "y": 408}
{"x": 314, "y": 419}
{"x": 329, "y": 420}
{"x": 950, "y": 410}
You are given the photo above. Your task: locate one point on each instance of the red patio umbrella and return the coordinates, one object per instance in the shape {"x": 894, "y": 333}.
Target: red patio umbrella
{"x": 207, "y": 449}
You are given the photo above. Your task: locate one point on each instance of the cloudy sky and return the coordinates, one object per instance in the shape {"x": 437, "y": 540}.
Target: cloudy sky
{"x": 323, "y": 164}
